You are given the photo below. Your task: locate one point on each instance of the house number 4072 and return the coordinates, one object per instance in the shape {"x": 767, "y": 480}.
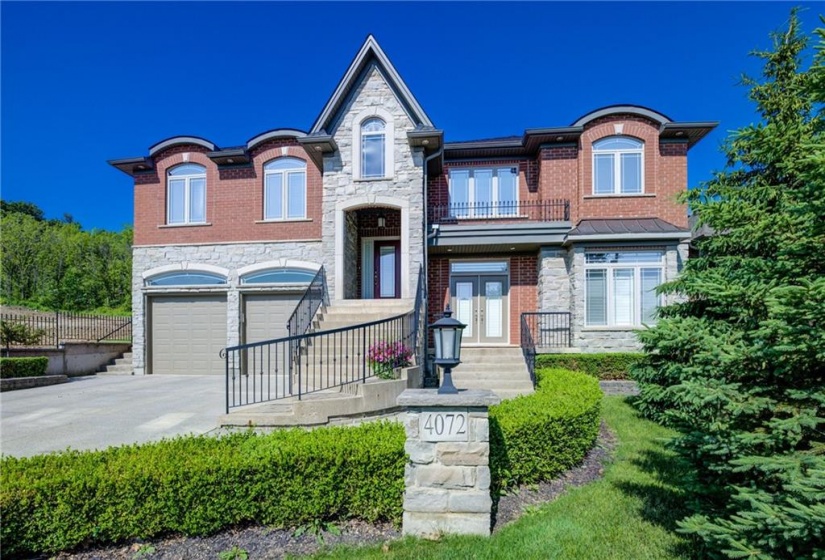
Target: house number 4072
{"x": 444, "y": 426}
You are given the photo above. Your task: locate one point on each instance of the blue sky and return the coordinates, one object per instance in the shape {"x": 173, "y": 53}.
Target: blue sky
{"x": 83, "y": 83}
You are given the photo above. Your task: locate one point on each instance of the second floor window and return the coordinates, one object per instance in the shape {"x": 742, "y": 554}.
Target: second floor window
{"x": 285, "y": 181}
{"x": 186, "y": 202}
{"x": 484, "y": 192}
{"x": 617, "y": 166}
{"x": 373, "y": 148}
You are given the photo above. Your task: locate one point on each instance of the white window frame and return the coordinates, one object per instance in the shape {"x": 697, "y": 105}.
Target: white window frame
{"x": 616, "y": 153}
{"x": 637, "y": 296}
{"x": 365, "y": 134}
{"x": 509, "y": 211}
{"x": 389, "y": 143}
{"x": 300, "y": 168}
{"x": 187, "y": 179}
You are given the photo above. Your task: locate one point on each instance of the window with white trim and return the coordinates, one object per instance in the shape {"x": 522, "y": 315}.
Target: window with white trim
{"x": 484, "y": 192}
{"x": 186, "y": 194}
{"x": 620, "y": 288}
{"x": 373, "y": 148}
{"x": 285, "y": 189}
{"x": 618, "y": 166}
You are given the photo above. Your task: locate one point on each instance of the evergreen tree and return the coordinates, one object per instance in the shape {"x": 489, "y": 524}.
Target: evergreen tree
{"x": 738, "y": 364}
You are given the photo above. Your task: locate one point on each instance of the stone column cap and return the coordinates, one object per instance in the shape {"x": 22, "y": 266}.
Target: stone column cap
{"x": 464, "y": 397}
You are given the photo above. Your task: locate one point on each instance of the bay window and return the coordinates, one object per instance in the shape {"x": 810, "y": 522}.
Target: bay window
{"x": 620, "y": 288}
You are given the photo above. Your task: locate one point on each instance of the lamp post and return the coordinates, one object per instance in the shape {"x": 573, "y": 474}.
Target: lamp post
{"x": 447, "y": 336}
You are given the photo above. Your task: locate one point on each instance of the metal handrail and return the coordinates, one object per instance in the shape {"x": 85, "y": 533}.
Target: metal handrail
{"x": 120, "y": 328}
{"x": 528, "y": 348}
{"x": 308, "y": 304}
{"x": 554, "y": 210}
{"x": 550, "y": 329}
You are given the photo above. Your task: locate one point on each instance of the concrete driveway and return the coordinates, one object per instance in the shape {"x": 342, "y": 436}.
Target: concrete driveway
{"x": 99, "y": 411}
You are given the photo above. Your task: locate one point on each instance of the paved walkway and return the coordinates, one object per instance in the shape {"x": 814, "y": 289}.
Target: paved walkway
{"x": 99, "y": 411}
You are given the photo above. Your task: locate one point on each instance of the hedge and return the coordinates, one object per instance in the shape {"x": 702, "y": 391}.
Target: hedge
{"x": 604, "y": 366}
{"x": 23, "y": 367}
{"x": 535, "y": 437}
{"x": 198, "y": 485}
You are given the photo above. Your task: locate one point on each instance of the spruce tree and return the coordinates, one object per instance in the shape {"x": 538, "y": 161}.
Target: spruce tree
{"x": 738, "y": 364}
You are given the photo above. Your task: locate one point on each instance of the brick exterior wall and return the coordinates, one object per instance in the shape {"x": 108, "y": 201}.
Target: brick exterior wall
{"x": 234, "y": 200}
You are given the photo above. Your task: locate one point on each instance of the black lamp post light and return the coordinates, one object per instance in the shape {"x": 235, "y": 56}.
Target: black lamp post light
{"x": 447, "y": 336}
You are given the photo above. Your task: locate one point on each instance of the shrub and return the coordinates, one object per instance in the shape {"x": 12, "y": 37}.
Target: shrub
{"x": 604, "y": 366}
{"x": 198, "y": 485}
{"x": 535, "y": 437}
{"x": 23, "y": 367}
{"x": 19, "y": 333}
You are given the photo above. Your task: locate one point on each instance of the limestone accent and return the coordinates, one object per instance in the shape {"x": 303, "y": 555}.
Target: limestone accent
{"x": 447, "y": 481}
{"x": 401, "y": 189}
{"x": 554, "y": 280}
{"x": 230, "y": 257}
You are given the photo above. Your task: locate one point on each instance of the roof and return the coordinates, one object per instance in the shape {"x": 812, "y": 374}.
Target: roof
{"x": 369, "y": 54}
{"x": 626, "y": 229}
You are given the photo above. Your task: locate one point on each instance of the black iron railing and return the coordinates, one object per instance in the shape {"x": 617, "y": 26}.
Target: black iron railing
{"x": 556, "y": 210}
{"x": 314, "y": 297}
{"x": 528, "y": 348}
{"x": 306, "y": 363}
{"x": 549, "y": 329}
{"x": 419, "y": 308}
{"x": 51, "y": 329}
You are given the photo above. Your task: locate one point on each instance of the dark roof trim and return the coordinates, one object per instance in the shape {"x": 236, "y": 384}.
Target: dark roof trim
{"x": 177, "y": 140}
{"x": 691, "y": 132}
{"x": 132, "y": 166}
{"x": 317, "y": 145}
{"x": 370, "y": 51}
{"x": 272, "y": 134}
{"x": 624, "y": 109}
{"x": 232, "y": 156}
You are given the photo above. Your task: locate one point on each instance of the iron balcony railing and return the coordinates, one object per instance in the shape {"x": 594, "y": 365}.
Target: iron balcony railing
{"x": 556, "y": 210}
{"x": 52, "y": 329}
{"x": 306, "y": 363}
{"x": 549, "y": 329}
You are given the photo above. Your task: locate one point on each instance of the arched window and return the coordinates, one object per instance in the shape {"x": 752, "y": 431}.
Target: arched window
{"x": 186, "y": 278}
{"x": 373, "y": 148}
{"x": 285, "y": 187}
{"x": 186, "y": 194}
{"x": 617, "y": 165}
{"x": 280, "y": 276}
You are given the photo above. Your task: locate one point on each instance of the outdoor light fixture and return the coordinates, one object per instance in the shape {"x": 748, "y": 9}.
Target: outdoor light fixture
{"x": 447, "y": 335}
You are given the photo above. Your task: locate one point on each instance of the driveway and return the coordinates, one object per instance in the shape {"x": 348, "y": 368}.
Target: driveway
{"x": 99, "y": 411}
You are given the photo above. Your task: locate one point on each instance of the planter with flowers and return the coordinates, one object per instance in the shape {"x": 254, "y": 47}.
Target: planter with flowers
{"x": 387, "y": 358}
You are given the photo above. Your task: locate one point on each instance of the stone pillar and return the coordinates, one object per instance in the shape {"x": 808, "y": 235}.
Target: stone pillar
{"x": 448, "y": 477}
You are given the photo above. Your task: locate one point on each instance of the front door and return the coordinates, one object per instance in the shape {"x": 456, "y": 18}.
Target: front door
{"x": 387, "y": 271}
{"x": 480, "y": 302}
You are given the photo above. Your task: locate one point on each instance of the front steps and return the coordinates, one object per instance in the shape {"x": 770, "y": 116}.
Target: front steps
{"x": 348, "y": 312}
{"x": 500, "y": 369}
{"x": 119, "y": 366}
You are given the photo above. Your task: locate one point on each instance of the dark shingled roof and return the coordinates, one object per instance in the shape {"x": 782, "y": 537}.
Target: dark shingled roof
{"x": 624, "y": 226}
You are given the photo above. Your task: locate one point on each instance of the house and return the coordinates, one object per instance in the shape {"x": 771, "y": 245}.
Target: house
{"x": 563, "y": 231}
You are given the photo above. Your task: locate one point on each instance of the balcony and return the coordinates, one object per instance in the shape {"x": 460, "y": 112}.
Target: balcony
{"x": 494, "y": 227}
{"x": 557, "y": 210}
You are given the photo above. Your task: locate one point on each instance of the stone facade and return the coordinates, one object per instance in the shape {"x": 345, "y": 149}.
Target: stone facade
{"x": 344, "y": 190}
{"x": 230, "y": 257}
{"x": 447, "y": 483}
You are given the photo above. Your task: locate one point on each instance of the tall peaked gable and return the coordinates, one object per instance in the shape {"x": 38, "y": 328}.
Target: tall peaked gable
{"x": 370, "y": 55}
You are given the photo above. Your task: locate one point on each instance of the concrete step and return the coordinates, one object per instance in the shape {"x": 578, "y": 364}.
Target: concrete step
{"x": 371, "y": 303}
{"x": 123, "y": 361}
{"x": 506, "y": 360}
{"x": 493, "y": 385}
{"x": 127, "y": 356}
{"x": 492, "y": 375}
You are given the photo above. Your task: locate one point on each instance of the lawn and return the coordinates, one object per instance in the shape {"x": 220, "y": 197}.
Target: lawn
{"x": 630, "y": 513}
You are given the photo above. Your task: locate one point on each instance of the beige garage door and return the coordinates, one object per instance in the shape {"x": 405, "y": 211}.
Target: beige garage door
{"x": 186, "y": 333}
{"x": 265, "y": 316}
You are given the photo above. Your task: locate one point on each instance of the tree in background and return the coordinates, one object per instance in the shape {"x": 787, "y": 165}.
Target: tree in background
{"x": 57, "y": 265}
{"x": 738, "y": 366}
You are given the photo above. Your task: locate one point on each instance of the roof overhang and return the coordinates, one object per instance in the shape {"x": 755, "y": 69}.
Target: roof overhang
{"x": 490, "y": 237}
{"x": 317, "y": 145}
{"x": 275, "y": 134}
{"x": 133, "y": 166}
{"x": 232, "y": 156}
{"x": 690, "y": 132}
{"x": 178, "y": 140}
{"x": 625, "y": 237}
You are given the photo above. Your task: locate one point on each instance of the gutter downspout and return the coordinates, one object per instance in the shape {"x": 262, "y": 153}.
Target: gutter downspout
{"x": 430, "y": 381}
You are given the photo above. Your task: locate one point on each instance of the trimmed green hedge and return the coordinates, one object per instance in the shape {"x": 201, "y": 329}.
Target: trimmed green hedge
{"x": 535, "y": 437}
{"x": 604, "y": 366}
{"x": 198, "y": 485}
{"x": 23, "y": 367}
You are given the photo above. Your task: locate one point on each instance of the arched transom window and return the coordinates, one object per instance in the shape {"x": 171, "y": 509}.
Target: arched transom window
{"x": 618, "y": 166}
{"x": 186, "y": 194}
{"x": 285, "y": 188}
{"x": 373, "y": 148}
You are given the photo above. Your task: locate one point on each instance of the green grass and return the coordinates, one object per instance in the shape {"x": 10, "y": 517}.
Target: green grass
{"x": 628, "y": 514}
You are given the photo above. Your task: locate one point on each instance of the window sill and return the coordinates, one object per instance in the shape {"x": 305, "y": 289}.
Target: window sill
{"x": 622, "y": 328}
{"x": 165, "y": 226}
{"x": 630, "y": 195}
{"x": 371, "y": 179}
{"x": 287, "y": 221}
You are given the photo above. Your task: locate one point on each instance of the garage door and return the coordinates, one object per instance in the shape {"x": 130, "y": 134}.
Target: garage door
{"x": 186, "y": 334}
{"x": 265, "y": 316}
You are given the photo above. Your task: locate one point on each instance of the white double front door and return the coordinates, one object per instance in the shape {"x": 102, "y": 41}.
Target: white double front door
{"x": 480, "y": 302}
